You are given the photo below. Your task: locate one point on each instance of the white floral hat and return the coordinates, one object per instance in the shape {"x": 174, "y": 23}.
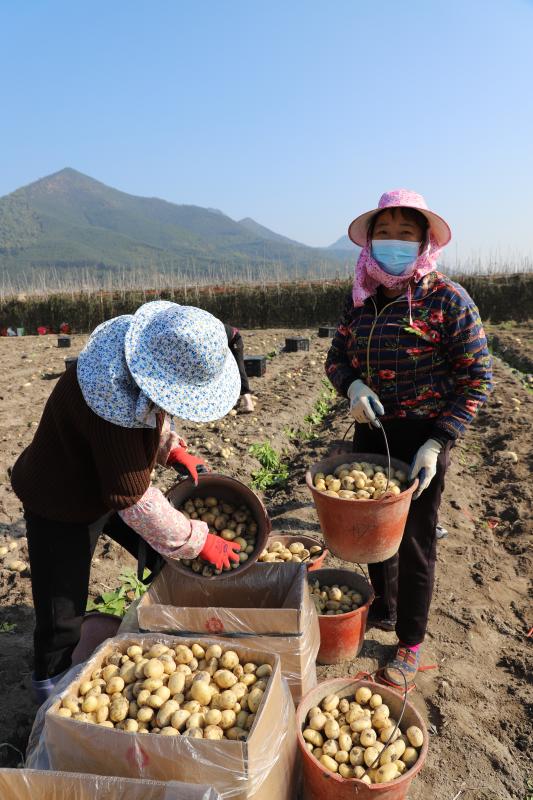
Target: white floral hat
{"x": 175, "y": 356}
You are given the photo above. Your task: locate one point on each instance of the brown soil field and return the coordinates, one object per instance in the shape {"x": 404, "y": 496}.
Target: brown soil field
{"x": 478, "y": 700}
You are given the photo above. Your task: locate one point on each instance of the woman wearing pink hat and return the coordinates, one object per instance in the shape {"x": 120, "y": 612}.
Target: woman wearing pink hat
{"x": 410, "y": 348}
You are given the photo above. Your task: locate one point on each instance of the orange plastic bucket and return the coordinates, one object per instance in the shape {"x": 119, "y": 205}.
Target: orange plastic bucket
{"x": 342, "y": 635}
{"x": 319, "y": 783}
{"x": 361, "y": 531}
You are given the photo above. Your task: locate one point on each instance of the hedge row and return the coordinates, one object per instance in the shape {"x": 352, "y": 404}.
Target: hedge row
{"x": 295, "y": 305}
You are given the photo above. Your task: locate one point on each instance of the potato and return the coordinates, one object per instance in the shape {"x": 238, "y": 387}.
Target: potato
{"x": 330, "y": 702}
{"x": 360, "y": 724}
{"x": 165, "y": 713}
{"x": 415, "y": 736}
{"x": 368, "y": 737}
{"x": 178, "y": 719}
{"x": 329, "y": 763}
{"x": 386, "y": 773}
{"x": 118, "y": 710}
{"x": 332, "y": 729}
{"x": 318, "y": 721}
{"x": 226, "y": 700}
{"x": 313, "y": 736}
{"x": 410, "y": 756}
{"x": 345, "y": 742}
{"x": 224, "y": 678}
{"x": 357, "y": 756}
{"x": 254, "y": 699}
{"x": 201, "y": 691}
{"x": 371, "y": 756}
{"x": 345, "y": 771}
{"x": 330, "y": 747}
{"x": 176, "y": 683}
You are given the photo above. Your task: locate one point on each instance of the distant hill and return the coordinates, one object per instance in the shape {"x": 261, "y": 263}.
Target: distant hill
{"x": 68, "y": 221}
{"x": 344, "y": 243}
{"x": 265, "y": 233}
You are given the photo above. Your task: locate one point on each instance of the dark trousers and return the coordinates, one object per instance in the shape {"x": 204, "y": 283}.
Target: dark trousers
{"x": 60, "y": 562}
{"x": 237, "y": 348}
{"x": 404, "y": 583}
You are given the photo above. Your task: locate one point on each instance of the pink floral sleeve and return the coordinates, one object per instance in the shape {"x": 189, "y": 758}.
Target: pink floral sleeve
{"x": 163, "y": 527}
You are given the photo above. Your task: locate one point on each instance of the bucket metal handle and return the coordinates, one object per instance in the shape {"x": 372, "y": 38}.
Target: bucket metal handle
{"x": 380, "y": 426}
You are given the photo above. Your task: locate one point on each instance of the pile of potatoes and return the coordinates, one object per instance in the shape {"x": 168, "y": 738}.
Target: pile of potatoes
{"x": 233, "y": 523}
{"x": 357, "y": 738}
{"x": 332, "y": 600}
{"x": 295, "y": 551}
{"x": 8, "y": 551}
{"x": 360, "y": 481}
{"x": 201, "y": 693}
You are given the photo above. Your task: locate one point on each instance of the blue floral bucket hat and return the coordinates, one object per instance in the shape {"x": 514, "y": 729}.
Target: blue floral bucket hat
{"x": 173, "y": 357}
{"x": 103, "y": 375}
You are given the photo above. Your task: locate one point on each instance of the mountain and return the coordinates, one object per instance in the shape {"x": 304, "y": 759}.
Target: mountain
{"x": 344, "y": 243}
{"x": 68, "y": 221}
{"x": 265, "y": 233}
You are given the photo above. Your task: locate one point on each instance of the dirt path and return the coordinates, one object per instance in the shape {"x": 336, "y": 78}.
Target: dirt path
{"x": 478, "y": 698}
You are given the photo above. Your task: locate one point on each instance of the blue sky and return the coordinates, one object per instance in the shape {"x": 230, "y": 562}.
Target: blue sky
{"x": 298, "y": 113}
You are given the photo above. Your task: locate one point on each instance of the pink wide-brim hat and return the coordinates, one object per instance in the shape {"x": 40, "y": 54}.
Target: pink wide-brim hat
{"x": 358, "y": 230}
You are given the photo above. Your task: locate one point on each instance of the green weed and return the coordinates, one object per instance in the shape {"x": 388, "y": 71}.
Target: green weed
{"x": 116, "y": 602}
{"x": 274, "y": 472}
{"x": 7, "y": 627}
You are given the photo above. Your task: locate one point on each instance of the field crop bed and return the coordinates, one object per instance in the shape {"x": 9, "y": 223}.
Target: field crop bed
{"x": 478, "y": 698}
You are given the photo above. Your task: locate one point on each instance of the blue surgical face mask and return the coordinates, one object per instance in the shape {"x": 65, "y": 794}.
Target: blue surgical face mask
{"x": 395, "y": 256}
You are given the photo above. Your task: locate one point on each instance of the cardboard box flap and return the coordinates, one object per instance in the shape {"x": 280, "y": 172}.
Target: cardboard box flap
{"x": 265, "y": 600}
{"x": 242, "y": 622}
{"x": 28, "y": 784}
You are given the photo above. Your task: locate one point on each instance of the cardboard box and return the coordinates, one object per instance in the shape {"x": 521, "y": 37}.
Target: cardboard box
{"x": 268, "y": 608}
{"x": 261, "y": 768}
{"x": 30, "y": 784}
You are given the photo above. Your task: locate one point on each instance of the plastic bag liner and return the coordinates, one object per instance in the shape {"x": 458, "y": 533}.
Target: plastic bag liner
{"x": 28, "y": 784}
{"x": 267, "y": 608}
{"x": 261, "y": 768}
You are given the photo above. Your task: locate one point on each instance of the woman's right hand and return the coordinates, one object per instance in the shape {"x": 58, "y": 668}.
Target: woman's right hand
{"x": 218, "y": 551}
{"x": 364, "y": 403}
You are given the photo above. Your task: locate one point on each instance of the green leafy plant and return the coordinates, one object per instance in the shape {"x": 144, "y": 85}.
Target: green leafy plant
{"x": 322, "y": 406}
{"x": 274, "y": 472}
{"x": 117, "y": 601}
{"x": 7, "y": 627}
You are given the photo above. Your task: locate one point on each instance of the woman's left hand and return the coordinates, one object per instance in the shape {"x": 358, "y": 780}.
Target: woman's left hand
{"x": 180, "y": 457}
{"x": 424, "y": 465}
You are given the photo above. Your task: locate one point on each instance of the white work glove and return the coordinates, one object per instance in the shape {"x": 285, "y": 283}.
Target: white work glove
{"x": 364, "y": 403}
{"x": 424, "y": 465}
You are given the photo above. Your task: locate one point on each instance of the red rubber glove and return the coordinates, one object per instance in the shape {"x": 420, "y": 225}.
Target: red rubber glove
{"x": 218, "y": 551}
{"x": 191, "y": 465}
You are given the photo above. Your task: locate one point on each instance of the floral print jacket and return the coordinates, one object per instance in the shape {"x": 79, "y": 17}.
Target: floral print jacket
{"x": 435, "y": 365}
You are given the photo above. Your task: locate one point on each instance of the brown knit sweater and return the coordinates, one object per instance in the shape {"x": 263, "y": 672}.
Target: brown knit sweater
{"x": 78, "y": 466}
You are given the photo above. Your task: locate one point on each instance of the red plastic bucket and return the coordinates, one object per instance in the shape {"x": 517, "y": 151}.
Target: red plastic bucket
{"x": 319, "y": 783}
{"x": 315, "y": 562}
{"x": 342, "y": 635}
{"x": 232, "y": 491}
{"x": 361, "y": 531}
